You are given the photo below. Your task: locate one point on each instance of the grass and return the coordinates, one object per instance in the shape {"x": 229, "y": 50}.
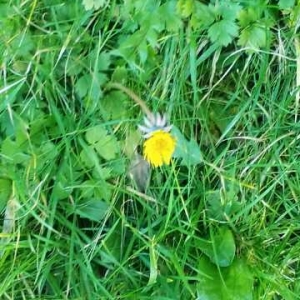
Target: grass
{"x": 224, "y": 216}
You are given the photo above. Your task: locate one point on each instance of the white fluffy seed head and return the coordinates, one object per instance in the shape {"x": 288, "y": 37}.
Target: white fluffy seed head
{"x": 153, "y": 123}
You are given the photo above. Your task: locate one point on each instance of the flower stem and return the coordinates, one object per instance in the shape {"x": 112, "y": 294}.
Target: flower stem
{"x": 132, "y": 95}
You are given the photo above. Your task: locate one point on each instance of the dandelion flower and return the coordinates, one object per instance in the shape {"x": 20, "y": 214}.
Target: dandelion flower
{"x": 159, "y": 148}
{"x": 159, "y": 144}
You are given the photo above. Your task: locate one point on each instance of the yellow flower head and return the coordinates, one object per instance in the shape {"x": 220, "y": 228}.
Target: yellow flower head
{"x": 159, "y": 148}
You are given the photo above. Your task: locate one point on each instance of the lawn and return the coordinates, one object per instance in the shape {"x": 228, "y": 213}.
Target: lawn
{"x": 149, "y": 149}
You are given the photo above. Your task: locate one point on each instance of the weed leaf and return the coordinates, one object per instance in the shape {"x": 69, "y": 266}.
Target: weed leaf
{"x": 93, "y": 210}
{"x": 188, "y": 151}
{"x": 221, "y": 250}
{"x": 231, "y": 283}
{"x": 93, "y": 4}
{"x": 223, "y": 32}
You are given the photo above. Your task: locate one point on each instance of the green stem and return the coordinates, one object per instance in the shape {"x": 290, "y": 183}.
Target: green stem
{"x": 132, "y": 95}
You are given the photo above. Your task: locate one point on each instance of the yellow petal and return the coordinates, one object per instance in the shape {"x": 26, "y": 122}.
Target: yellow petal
{"x": 159, "y": 148}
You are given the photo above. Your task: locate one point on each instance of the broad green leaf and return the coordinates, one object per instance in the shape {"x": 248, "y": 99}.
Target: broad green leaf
{"x": 117, "y": 167}
{"x": 188, "y": 151}
{"x": 221, "y": 249}
{"x": 133, "y": 138}
{"x": 210, "y": 283}
{"x": 129, "y": 46}
{"x": 229, "y": 10}
{"x": 94, "y": 209}
{"x": 168, "y": 15}
{"x": 103, "y": 61}
{"x": 95, "y": 189}
{"x": 93, "y": 4}
{"x": 99, "y": 61}
{"x": 82, "y": 85}
{"x": 286, "y": 4}
{"x": 113, "y": 105}
{"x": 203, "y": 16}
{"x": 95, "y": 134}
{"x": 152, "y": 37}
{"x": 218, "y": 208}
{"x": 215, "y": 207}
{"x": 74, "y": 66}
{"x": 224, "y": 248}
{"x": 151, "y": 22}
{"x": 90, "y": 84}
{"x": 88, "y": 4}
{"x": 223, "y": 32}
{"x": 95, "y": 91}
{"x": 194, "y": 155}
{"x": 107, "y": 147}
{"x": 88, "y": 157}
{"x": 13, "y": 153}
{"x": 47, "y": 152}
{"x": 119, "y": 74}
{"x": 102, "y": 173}
{"x": 65, "y": 178}
{"x": 253, "y": 36}
{"x": 143, "y": 41}
{"x": 239, "y": 281}
{"x": 59, "y": 190}
{"x": 21, "y": 130}
{"x": 231, "y": 283}
{"x": 249, "y": 16}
